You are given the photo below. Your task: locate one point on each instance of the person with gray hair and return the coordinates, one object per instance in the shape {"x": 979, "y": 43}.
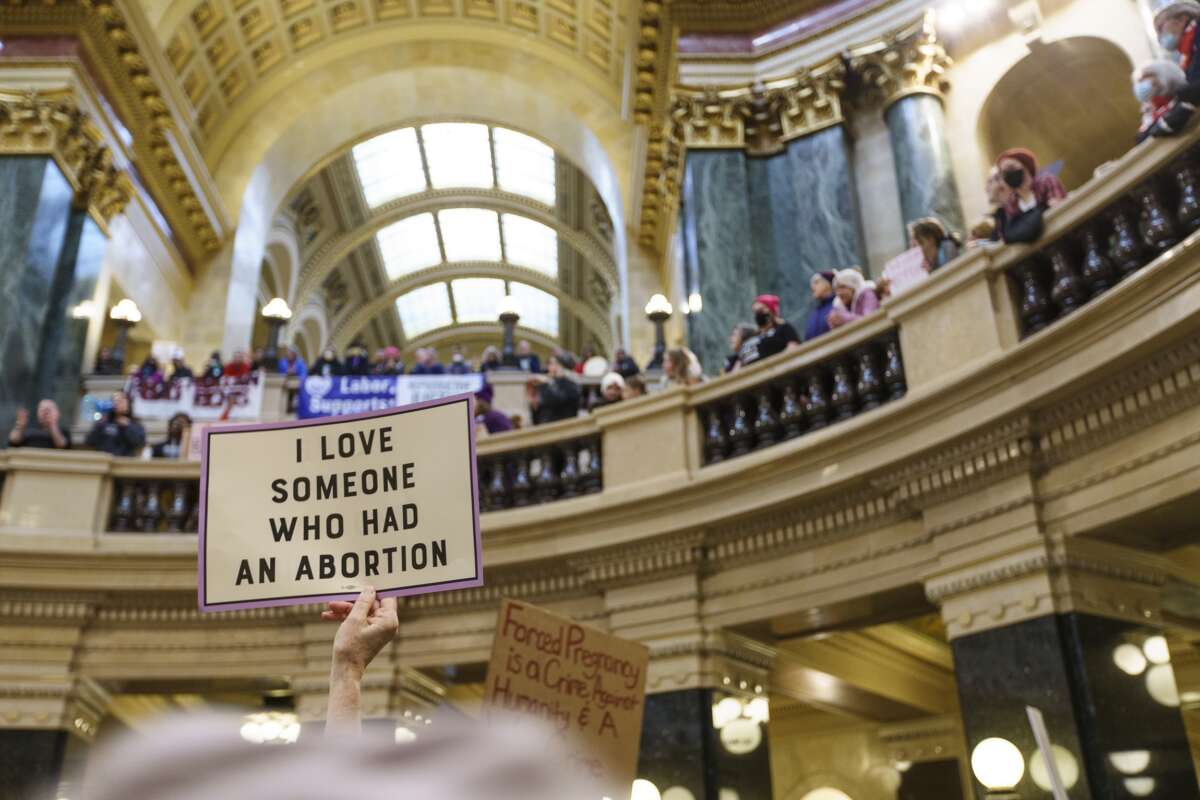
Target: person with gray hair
{"x": 1155, "y": 84}
{"x": 202, "y": 756}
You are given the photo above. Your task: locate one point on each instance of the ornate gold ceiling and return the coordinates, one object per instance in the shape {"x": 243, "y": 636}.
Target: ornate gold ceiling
{"x": 223, "y": 48}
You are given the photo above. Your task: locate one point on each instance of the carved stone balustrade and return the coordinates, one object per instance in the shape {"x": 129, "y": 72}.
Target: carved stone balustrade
{"x": 1082, "y": 259}
{"x": 865, "y": 372}
{"x": 542, "y": 473}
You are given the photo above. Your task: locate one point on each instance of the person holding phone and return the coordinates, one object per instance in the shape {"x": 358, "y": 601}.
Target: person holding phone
{"x": 118, "y": 433}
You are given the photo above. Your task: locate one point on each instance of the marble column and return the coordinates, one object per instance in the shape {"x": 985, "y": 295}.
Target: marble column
{"x": 31, "y": 762}
{"x": 1064, "y": 664}
{"x": 718, "y": 249}
{"x": 35, "y": 209}
{"x": 804, "y": 215}
{"x": 681, "y": 748}
{"x": 924, "y": 171}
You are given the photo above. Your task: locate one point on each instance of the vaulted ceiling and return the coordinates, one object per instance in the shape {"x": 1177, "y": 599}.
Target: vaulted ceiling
{"x": 415, "y": 235}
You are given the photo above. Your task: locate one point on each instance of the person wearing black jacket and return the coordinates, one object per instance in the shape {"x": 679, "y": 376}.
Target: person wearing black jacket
{"x": 553, "y": 396}
{"x": 118, "y": 433}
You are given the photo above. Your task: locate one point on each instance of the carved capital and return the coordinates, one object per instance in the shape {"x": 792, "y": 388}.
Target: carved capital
{"x": 52, "y": 124}
{"x": 1073, "y": 576}
{"x": 762, "y": 117}
{"x": 905, "y": 62}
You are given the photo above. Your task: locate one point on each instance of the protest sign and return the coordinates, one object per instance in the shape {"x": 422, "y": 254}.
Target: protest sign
{"x": 200, "y": 399}
{"x": 586, "y": 684}
{"x": 906, "y": 271}
{"x": 331, "y": 395}
{"x": 299, "y": 512}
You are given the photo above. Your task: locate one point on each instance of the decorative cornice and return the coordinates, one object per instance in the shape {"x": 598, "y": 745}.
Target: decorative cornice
{"x": 108, "y": 35}
{"x": 905, "y": 62}
{"x": 760, "y": 118}
{"x": 52, "y": 124}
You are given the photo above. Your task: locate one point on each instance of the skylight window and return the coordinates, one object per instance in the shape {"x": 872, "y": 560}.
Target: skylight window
{"x": 470, "y": 234}
{"x": 389, "y": 166}
{"x": 409, "y": 245}
{"x": 528, "y": 243}
{"x": 458, "y": 154}
{"x": 524, "y": 165}
{"x": 477, "y": 299}
{"x": 539, "y": 310}
{"x": 424, "y": 309}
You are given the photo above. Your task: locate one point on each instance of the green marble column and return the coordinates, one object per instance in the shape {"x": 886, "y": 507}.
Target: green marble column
{"x": 50, "y": 256}
{"x": 924, "y": 170}
{"x": 718, "y": 249}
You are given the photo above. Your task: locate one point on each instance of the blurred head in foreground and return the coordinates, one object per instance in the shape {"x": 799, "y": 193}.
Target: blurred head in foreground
{"x": 203, "y": 757}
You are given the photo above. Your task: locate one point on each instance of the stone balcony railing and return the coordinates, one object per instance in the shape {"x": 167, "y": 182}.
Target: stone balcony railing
{"x": 884, "y": 426}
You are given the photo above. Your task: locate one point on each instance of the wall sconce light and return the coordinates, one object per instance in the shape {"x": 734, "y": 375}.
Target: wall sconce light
{"x": 999, "y": 766}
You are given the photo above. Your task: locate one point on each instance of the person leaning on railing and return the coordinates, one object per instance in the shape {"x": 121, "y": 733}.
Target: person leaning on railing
{"x": 1155, "y": 84}
{"x": 856, "y": 298}
{"x": 48, "y": 432}
{"x": 774, "y": 334}
{"x": 1033, "y": 192}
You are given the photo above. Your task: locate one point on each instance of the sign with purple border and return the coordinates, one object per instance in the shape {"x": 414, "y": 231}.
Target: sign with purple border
{"x": 304, "y": 512}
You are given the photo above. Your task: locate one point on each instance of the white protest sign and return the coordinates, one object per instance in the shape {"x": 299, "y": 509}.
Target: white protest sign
{"x": 301, "y": 512}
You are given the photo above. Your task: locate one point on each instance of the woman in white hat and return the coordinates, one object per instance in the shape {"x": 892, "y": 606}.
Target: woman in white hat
{"x": 1176, "y": 22}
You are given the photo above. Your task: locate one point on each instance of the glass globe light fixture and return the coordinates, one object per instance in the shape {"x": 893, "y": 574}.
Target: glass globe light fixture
{"x": 998, "y": 765}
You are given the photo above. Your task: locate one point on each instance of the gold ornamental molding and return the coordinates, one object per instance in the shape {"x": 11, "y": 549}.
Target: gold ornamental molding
{"x": 52, "y": 124}
{"x": 906, "y": 62}
{"x": 114, "y": 50}
{"x": 763, "y": 117}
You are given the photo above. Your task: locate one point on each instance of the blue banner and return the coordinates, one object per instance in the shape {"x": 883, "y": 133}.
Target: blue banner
{"x": 332, "y": 396}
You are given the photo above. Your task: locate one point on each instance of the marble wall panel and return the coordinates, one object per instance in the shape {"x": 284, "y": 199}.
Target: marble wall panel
{"x": 924, "y": 169}
{"x": 805, "y": 216}
{"x": 718, "y": 248}
{"x": 35, "y": 204}
{"x": 1064, "y": 665}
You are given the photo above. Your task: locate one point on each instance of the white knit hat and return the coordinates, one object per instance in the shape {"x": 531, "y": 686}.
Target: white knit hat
{"x": 850, "y": 278}
{"x": 610, "y": 379}
{"x": 1163, "y": 8}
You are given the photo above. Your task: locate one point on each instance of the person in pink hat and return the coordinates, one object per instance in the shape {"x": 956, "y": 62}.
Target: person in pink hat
{"x": 774, "y": 334}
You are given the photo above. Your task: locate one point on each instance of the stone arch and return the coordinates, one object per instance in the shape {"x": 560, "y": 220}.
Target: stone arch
{"x": 297, "y": 125}
{"x": 1069, "y": 110}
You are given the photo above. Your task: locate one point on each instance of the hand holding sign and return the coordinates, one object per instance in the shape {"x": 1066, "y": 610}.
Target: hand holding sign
{"x": 297, "y": 512}
{"x": 367, "y": 627}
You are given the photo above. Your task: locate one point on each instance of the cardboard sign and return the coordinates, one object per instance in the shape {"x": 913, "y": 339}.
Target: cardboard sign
{"x": 906, "y": 271}
{"x": 301, "y": 512}
{"x": 586, "y": 684}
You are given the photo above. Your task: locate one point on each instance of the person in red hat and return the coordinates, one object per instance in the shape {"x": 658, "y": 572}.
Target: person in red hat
{"x": 774, "y": 334}
{"x": 1032, "y": 194}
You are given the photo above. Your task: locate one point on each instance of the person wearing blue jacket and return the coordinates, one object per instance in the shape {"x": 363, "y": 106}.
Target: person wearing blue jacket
{"x": 823, "y": 297}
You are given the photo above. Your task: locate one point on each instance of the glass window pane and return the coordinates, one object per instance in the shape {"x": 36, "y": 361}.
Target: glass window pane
{"x": 409, "y": 245}
{"x": 470, "y": 234}
{"x": 528, "y": 243}
{"x": 389, "y": 166}
{"x": 477, "y": 299}
{"x": 424, "y": 309}
{"x": 539, "y": 310}
{"x": 458, "y": 154}
{"x": 524, "y": 165}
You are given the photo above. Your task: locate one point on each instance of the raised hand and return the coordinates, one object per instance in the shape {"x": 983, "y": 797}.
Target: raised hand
{"x": 368, "y": 625}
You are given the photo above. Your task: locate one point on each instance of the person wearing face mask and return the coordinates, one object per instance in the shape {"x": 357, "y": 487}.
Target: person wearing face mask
{"x": 1176, "y": 23}
{"x": 458, "y": 363}
{"x": 1154, "y": 85}
{"x": 1032, "y": 193}
{"x": 774, "y": 334}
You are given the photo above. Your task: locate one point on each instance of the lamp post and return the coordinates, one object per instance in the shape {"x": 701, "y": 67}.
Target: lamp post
{"x": 124, "y": 315}
{"x": 658, "y": 311}
{"x": 999, "y": 766}
{"x": 509, "y": 315}
{"x": 276, "y": 313}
